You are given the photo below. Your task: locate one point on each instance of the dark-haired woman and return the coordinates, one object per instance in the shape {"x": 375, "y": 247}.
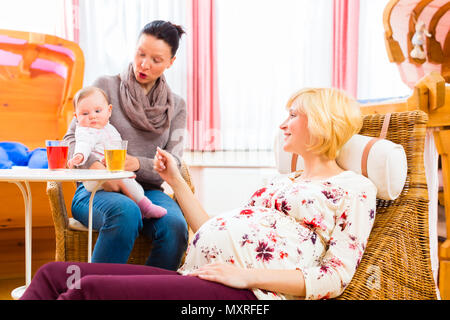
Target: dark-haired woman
{"x": 149, "y": 115}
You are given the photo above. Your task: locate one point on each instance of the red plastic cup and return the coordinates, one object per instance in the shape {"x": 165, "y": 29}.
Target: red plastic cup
{"x": 57, "y": 154}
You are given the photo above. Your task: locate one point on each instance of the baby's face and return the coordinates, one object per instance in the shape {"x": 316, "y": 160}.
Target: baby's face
{"x": 93, "y": 111}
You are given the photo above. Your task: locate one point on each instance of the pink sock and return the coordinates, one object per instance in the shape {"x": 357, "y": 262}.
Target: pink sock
{"x": 150, "y": 210}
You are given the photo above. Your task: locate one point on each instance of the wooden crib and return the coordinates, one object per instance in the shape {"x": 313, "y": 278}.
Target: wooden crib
{"x": 39, "y": 75}
{"x": 428, "y": 76}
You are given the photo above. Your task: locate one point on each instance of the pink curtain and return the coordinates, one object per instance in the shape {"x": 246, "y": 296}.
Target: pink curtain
{"x": 345, "y": 45}
{"x": 72, "y": 21}
{"x": 76, "y": 20}
{"x": 203, "y": 120}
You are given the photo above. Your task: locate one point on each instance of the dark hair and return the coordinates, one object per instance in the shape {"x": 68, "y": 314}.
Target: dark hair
{"x": 166, "y": 31}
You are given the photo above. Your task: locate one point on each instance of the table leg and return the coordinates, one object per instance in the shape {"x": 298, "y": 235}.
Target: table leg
{"x": 26, "y": 193}
{"x": 91, "y": 200}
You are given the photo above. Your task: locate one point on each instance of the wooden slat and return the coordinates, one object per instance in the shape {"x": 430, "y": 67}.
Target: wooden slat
{"x": 35, "y": 105}
{"x": 12, "y": 214}
{"x": 12, "y": 250}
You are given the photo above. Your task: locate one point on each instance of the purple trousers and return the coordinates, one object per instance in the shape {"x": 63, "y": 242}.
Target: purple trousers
{"x": 95, "y": 281}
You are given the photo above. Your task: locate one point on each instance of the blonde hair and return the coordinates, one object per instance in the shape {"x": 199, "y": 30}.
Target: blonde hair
{"x": 86, "y": 92}
{"x": 333, "y": 118}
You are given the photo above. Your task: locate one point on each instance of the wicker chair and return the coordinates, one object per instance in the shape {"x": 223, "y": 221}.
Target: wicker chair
{"x": 396, "y": 263}
{"x": 72, "y": 236}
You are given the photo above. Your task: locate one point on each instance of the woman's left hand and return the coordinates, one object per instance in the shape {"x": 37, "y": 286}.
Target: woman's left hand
{"x": 224, "y": 273}
{"x": 131, "y": 163}
{"x": 291, "y": 282}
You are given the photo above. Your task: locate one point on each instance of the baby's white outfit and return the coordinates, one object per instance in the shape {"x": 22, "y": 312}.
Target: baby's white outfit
{"x": 91, "y": 140}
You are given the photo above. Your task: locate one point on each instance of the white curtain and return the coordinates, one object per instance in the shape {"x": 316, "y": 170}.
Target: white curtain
{"x": 109, "y": 30}
{"x": 266, "y": 51}
{"x": 52, "y": 17}
{"x": 378, "y": 78}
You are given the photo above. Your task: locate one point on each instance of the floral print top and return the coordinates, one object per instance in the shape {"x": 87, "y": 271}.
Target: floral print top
{"x": 320, "y": 227}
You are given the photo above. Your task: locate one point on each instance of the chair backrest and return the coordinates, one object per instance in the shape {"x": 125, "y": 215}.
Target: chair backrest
{"x": 59, "y": 215}
{"x": 396, "y": 263}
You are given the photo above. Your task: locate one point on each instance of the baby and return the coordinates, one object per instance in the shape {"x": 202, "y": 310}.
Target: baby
{"x": 93, "y": 111}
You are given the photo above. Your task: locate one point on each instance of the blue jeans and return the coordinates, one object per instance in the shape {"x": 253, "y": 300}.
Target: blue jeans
{"x": 118, "y": 220}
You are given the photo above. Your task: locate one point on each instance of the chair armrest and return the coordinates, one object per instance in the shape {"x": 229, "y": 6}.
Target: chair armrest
{"x": 57, "y": 206}
{"x": 186, "y": 175}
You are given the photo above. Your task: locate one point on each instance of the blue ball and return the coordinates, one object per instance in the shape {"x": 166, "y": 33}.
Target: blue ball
{"x": 5, "y": 163}
{"x": 17, "y": 152}
{"x": 38, "y": 159}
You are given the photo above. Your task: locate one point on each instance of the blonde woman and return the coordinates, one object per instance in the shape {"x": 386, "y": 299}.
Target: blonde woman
{"x": 301, "y": 236}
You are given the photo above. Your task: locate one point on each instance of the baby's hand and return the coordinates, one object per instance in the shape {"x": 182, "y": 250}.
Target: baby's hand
{"x": 76, "y": 160}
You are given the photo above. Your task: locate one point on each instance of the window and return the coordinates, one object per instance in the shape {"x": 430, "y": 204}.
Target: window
{"x": 378, "y": 78}
{"x": 52, "y": 17}
{"x": 266, "y": 50}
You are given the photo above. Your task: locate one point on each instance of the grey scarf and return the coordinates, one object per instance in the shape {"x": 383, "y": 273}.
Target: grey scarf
{"x": 151, "y": 112}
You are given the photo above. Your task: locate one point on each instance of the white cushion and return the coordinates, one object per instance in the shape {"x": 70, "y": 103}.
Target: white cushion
{"x": 386, "y": 164}
{"x": 77, "y": 225}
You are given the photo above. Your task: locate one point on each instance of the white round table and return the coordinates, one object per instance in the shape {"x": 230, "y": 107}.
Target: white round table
{"x": 22, "y": 176}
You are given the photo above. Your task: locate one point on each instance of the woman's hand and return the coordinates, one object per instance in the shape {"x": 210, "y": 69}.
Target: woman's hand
{"x": 166, "y": 165}
{"x": 116, "y": 186}
{"x": 131, "y": 163}
{"x": 224, "y": 273}
{"x": 111, "y": 185}
{"x": 285, "y": 281}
